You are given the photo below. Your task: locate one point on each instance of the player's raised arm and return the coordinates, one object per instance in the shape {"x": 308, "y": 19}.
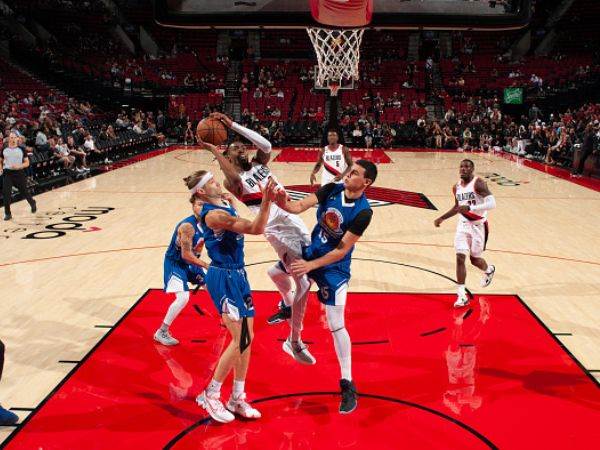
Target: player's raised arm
{"x": 264, "y": 146}
{"x": 185, "y": 233}
{"x": 295, "y": 207}
{"x": 222, "y": 220}
{"x": 232, "y": 177}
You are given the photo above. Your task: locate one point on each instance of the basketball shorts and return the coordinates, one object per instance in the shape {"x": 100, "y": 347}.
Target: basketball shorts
{"x": 471, "y": 238}
{"x": 287, "y": 234}
{"x": 230, "y": 292}
{"x": 196, "y": 275}
{"x": 332, "y": 284}
{"x": 177, "y": 276}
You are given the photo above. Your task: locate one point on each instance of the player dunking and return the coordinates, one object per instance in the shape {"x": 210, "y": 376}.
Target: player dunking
{"x": 182, "y": 265}
{"x": 284, "y": 231}
{"x": 335, "y": 159}
{"x": 343, "y": 216}
{"x": 472, "y": 200}
{"x": 228, "y": 286}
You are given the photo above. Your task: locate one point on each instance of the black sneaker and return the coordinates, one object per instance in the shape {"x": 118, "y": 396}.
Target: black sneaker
{"x": 7, "y": 216}
{"x": 284, "y": 313}
{"x": 349, "y": 402}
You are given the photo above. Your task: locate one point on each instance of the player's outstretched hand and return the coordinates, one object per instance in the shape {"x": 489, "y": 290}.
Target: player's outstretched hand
{"x": 281, "y": 198}
{"x": 437, "y": 222}
{"x": 205, "y": 145}
{"x": 223, "y": 118}
{"x": 313, "y": 179}
{"x": 300, "y": 267}
{"x": 269, "y": 192}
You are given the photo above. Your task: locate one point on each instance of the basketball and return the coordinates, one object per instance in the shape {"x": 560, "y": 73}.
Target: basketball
{"x": 212, "y": 131}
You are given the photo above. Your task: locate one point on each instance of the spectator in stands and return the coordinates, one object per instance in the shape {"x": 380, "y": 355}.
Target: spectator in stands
{"x": 61, "y": 154}
{"x": 534, "y": 113}
{"x": 110, "y": 132}
{"x": 76, "y": 152}
{"x": 91, "y": 150}
{"x": 41, "y": 141}
{"x": 467, "y": 138}
{"x": 587, "y": 147}
{"x": 188, "y": 135}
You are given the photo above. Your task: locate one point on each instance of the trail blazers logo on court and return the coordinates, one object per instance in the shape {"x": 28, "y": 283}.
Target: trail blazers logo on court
{"x": 56, "y": 223}
{"x": 377, "y": 196}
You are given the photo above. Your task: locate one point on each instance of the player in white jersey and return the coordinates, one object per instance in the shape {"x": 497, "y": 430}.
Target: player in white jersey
{"x": 472, "y": 200}
{"x": 335, "y": 159}
{"x": 286, "y": 232}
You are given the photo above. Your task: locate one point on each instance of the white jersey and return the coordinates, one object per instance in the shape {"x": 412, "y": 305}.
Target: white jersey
{"x": 466, "y": 195}
{"x": 334, "y": 164}
{"x": 285, "y": 231}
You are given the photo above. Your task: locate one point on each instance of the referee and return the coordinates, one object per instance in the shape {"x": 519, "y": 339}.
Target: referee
{"x": 13, "y": 161}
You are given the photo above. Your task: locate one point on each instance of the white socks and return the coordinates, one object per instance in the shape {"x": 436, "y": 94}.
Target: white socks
{"x": 214, "y": 387}
{"x": 181, "y": 299}
{"x": 341, "y": 339}
{"x": 489, "y": 269}
{"x": 462, "y": 291}
{"x": 238, "y": 388}
{"x": 283, "y": 281}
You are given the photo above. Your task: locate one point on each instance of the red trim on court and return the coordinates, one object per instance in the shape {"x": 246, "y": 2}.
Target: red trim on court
{"x": 486, "y": 376}
{"x": 309, "y": 154}
{"x": 558, "y": 172}
{"x": 379, "y": 156}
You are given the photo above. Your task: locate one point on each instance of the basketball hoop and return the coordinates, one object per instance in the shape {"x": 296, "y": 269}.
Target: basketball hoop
{"x": 338, "y": 55}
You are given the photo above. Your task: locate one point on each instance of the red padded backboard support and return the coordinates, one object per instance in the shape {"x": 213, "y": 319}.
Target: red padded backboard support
{"x": 342, "y": 13}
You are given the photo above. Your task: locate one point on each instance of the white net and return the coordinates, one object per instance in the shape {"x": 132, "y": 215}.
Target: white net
{"x": 338, "y": 54}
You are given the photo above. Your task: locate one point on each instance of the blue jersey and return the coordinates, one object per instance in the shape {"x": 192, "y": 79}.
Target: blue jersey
{"x": 225, "y": 248}
{"x": 173, "y": 253}
{"x": 334, "y": 217}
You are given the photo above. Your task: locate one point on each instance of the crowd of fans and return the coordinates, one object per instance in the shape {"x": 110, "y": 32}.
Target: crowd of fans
{"x": 68, "y": 135}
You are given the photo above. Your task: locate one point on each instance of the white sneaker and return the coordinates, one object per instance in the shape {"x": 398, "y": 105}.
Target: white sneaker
{"x": 213, "y": 406}
{"x": 488, "y": 277}
{"x": 461, "y": 300}
{"x": 239, "y": 405}
{"x": 299, "y": 352}
{"x": 165, "y": 338}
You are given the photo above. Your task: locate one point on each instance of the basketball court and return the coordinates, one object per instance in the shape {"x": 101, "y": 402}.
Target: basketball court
{"x": 516, "y": 369}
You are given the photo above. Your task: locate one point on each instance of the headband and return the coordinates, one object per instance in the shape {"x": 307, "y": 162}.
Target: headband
{"x": 205, "y": 179}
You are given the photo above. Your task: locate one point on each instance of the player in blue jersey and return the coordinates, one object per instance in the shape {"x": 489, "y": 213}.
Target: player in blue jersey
{"x": 227, "y": 284}
{"x": 343, "y": 215}
{"x": 182, "y": 265}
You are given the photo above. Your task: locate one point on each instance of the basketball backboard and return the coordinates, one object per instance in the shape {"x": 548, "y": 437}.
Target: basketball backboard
{"x": 387, "y": 14}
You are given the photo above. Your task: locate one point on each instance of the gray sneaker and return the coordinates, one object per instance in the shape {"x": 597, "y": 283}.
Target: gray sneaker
{"x": 299, "y": 352}
{"x": 165, "y": 338}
